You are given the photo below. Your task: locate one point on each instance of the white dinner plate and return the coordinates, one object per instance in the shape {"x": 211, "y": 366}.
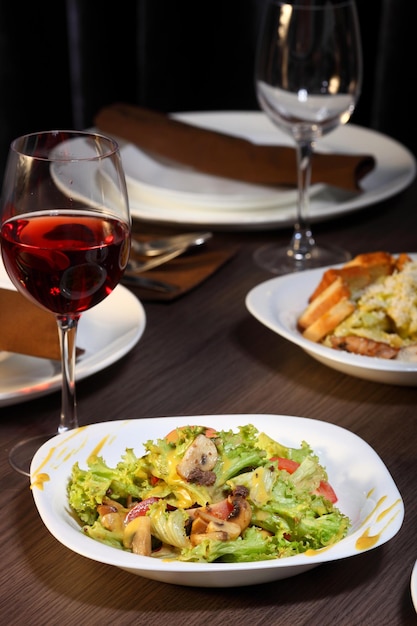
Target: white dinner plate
{"x": 106, "y": 333}
{"x": 165, "y": 193}
{"x": 155, "y": 182}
{"x": 366, "y": 493}
{"x": 277, "y": 303}
{"x": 414, "y": 585}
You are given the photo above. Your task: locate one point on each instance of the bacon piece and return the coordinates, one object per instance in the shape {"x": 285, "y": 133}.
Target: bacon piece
{"x": 364, "y": 346}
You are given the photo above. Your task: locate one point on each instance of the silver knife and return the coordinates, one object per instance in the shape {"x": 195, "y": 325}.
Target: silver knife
{"x": 135, "y": 280}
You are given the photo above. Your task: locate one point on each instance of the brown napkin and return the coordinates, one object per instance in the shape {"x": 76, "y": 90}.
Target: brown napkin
{"x": 186, "y": 271}
{"x": 222, "y": 155}
{"x": 26, "y": 328}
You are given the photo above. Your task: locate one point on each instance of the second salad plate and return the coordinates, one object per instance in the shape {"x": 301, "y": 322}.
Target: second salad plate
{"x": 278, "y": 302}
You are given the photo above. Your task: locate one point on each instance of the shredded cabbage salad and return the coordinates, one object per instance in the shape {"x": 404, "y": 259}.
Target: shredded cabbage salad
{"x": 201, "y": 495}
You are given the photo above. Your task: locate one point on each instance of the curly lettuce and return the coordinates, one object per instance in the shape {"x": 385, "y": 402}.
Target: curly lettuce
{"x": 289, "y": 514}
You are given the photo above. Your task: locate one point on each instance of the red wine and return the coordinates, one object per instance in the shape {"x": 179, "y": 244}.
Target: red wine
{"x": 67, "y": 262}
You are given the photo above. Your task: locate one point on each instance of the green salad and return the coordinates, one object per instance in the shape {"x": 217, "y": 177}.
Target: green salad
{"x": 201, "y": 495}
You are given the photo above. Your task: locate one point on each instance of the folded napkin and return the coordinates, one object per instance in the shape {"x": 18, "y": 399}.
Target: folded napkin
{"x": 26, "y": 328}
{"x": 220, "y": 154}
{"x": 185, "y": 272}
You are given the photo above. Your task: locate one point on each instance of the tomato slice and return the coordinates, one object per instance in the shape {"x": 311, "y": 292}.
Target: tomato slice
{"x": 324, "y": 489}
{"x": 140, "y": 509}
{"x": 327, "y": 491}
{"x": 221, "y": 509}
{"x": 286, "y": 464}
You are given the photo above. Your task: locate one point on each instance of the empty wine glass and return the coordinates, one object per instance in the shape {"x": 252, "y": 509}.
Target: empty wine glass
{"x": 308, "y": 79}
{"x": 65, "y": 239}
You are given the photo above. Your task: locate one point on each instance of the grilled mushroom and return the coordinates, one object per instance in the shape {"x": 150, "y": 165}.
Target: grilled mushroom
{"x": 201, "y": 456}
{"x": 137, "y": 535}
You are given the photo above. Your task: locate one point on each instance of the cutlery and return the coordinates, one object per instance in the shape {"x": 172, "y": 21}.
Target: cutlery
{"x": 158, "y": 246}
{"x": 137, "y": 267}
{"x": 135, "y": 280}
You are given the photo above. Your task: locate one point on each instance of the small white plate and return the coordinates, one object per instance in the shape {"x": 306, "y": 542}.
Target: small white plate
{"x": 365, "y": 489}
{"x": 414, "y": 585}
{"x": 168, "y": 194}
{"x": 278, "y": 303}
{"x": 106, "y": 333}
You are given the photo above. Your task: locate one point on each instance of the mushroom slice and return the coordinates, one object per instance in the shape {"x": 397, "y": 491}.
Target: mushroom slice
{"x": 198, "y": 526}
{"x": 137, "y": 535}
{"x": 241, "y": 513}
{"x": 230, "y": 529}
{"x": 198, "y": 538}
{"x": 217, "y": 530}
{"x": 112, "y": 521}
{"x": 200, "y": 455}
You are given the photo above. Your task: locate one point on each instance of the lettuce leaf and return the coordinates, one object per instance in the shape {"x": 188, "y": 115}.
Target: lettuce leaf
{"x": 287, "y": 516}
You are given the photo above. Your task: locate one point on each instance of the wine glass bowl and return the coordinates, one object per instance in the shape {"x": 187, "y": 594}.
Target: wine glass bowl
{"x": 58, "y": 261}
{"x": 308, "y": 76}
{"x": 65, "y": 238}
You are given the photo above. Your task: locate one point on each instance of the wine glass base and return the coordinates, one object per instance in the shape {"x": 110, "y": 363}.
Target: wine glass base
{"x": 21, "y": 455}
{"x": 281, "y": 260}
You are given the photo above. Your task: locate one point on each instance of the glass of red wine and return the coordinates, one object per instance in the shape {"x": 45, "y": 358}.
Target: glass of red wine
{"x": 65, "y": 239}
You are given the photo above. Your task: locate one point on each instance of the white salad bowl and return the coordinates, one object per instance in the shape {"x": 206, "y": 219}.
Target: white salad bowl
{"x": 366, "y": 493}
{"x": 278, "y": 302}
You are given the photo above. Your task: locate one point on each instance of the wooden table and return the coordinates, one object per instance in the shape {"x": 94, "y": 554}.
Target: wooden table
{"x": 205, "y": 354}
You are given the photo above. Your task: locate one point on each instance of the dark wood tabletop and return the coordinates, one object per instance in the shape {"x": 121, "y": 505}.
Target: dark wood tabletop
{"x": 205, "y": 354}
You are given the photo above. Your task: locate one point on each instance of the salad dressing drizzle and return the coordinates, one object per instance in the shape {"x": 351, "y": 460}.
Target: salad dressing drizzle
{"x": 311, "y": 552}
{"x": 366, "y": 541}
{"x": 386, "y": 511}
{"x": 39, "y": 481}
{"x": 378, "y": 504}
{"x": 97, "y": 449}
{"x": 41, "y": 478}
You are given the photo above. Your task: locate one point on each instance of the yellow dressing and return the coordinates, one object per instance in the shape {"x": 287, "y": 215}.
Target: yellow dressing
{"x": 183, "y": 498}
{"x": 312, "y": 552}
{"x": 39, "y": 481}
{"x": 97, "y": 449}
{"x": 259, "y": 492}
{"x": 366, "y": 541}
{"x": 47, "y": 458}
{"x": 384, "y": 513}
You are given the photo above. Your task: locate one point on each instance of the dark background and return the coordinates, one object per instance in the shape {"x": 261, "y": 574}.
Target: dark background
{"x": 62, "y": 60}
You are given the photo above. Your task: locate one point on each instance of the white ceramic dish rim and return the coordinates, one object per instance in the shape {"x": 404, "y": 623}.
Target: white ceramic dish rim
{"x": 413, "y": 585}
{"x": 332, "y": 443}
{"x": 262, "y": 303}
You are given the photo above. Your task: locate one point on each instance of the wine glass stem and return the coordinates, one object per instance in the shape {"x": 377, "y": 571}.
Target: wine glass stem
{"x": 302, "y": 240}
{"x": 67, "y": 328}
